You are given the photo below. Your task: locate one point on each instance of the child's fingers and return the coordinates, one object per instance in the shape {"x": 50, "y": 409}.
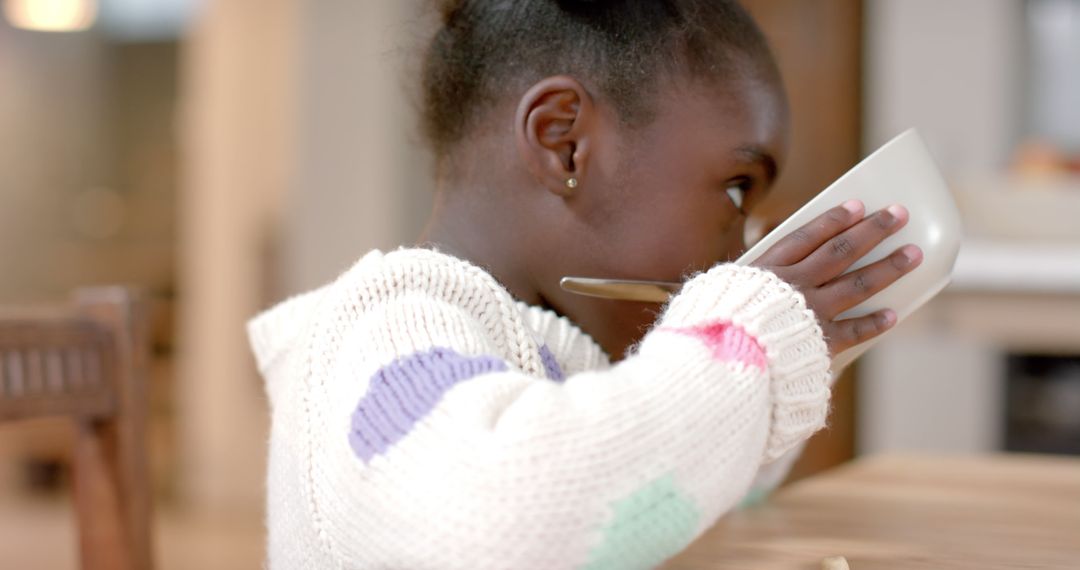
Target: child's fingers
{"x": 847, "y": 333}
{"x": 800, "y": 243}
{"x": 850, "y": 289}
{"x": 837, "y": 254}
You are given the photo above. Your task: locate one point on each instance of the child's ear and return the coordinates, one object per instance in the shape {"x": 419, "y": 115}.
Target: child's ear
{"x": 552, "y": 131}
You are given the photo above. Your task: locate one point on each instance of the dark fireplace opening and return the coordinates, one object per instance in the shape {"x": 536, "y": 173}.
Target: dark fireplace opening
{"x": 1042, "y": 404}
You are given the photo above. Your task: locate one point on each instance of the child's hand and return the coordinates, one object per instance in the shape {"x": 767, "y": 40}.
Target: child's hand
{"x": 814, "y": 257}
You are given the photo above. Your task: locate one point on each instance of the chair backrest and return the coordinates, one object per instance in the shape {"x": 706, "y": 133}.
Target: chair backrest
{"x": 88, "y": 361}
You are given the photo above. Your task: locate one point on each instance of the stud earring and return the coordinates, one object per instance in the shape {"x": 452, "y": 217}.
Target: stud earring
{"x": 571, "y": 183}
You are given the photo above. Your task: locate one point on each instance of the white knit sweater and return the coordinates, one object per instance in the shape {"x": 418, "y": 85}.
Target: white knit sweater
{"x": 422, "y": 418}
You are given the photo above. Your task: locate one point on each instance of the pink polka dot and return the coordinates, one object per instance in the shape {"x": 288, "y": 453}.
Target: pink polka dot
{"x": 728, "y": 343}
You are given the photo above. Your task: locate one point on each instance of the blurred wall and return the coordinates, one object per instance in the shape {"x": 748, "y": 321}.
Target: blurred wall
{"x": 238, "y": 87}
{"x": 300, "y": 156}
{"x": 87, "y": 163}
{"x": 952, "y": 70}
{"x": 362, "y": 180}
{"x": 53, "y": 91}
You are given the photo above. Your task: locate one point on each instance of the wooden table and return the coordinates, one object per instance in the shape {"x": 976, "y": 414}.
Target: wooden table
{"x": 997, "y": 511}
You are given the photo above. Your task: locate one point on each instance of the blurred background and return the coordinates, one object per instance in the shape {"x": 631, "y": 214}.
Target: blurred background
{"x": 224, "y": 154}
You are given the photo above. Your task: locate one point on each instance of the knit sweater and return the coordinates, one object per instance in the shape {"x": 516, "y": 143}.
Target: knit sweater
{"x": 424, "y": 418}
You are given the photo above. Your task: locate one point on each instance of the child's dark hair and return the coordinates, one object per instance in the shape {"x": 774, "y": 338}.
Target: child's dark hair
{"x": 486, "y": 49}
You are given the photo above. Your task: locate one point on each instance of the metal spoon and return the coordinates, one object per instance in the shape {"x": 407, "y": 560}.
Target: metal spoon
{"x": 621, "y": 289}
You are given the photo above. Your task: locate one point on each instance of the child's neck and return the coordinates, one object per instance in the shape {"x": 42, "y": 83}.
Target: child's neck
{"x": 458, "y": 228}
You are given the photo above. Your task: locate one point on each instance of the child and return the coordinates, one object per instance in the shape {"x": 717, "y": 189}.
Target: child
{"x": 448, "y": 406}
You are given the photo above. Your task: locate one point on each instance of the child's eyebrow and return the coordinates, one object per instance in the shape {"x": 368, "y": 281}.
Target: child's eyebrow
{"x": 758, "y": 155}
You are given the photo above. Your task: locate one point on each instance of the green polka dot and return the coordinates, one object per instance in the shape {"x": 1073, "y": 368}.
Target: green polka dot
{"x": 754, "y": 498}
{"x": 650, "y": 526}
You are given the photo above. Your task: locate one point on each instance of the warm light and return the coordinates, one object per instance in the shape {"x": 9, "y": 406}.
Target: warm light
{"x": 51, "y": 15}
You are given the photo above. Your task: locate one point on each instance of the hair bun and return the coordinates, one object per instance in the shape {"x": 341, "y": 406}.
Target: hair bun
{"x": 582, "y": 5}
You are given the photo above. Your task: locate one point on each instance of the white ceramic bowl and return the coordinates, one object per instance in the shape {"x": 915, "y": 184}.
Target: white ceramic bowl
{"x": 900, "y": 172}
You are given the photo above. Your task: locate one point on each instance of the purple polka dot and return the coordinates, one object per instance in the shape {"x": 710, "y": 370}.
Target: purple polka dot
{"x": 551, "y": 366}
{"x": 404, "y": 391}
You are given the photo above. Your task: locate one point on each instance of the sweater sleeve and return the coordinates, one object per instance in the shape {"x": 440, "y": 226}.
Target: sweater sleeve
{"x": 431, "y": 448}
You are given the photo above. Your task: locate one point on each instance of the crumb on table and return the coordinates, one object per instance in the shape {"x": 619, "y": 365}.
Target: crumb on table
{"x": 835, "y": 563}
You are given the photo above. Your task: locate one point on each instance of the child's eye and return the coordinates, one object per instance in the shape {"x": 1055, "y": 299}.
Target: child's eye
{"x": 736, "y": 194}
{"x": 737, "y": 190}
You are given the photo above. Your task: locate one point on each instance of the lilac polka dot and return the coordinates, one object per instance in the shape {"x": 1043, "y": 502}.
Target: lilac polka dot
{"x": 404, "y": 391}
{"x": 551, "y": 366}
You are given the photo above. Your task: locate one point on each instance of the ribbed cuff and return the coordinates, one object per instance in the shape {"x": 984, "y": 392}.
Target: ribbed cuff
{"x": 775, "y": 314}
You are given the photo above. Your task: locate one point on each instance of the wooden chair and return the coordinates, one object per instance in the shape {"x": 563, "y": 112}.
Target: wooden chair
{"x": 88, "y": 361}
